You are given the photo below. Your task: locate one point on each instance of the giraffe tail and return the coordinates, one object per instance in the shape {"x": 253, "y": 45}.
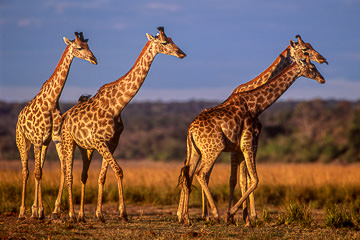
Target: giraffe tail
{"x": 184, "y": 178}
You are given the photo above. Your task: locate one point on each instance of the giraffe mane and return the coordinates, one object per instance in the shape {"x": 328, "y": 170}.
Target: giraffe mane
{"x": 57, "y": 67}
{"x": 245, "y": 87}
{"x": 119, "y": 79}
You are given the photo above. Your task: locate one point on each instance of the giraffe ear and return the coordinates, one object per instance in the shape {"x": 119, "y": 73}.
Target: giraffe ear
{"x": 292, "y": 44}
{"x": 67, "y": 41}
{"x": 149, "y": 37}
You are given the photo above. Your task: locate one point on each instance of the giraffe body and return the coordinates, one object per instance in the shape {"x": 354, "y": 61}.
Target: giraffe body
{"x": 234, "y": 127}
{"x": 285, "y": 59}
{"x": 96, "y": 124}
{"x": 40, "y": 120}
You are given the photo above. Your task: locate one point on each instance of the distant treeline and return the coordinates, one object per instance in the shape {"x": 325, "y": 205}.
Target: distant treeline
{"x": 293, "y": 131}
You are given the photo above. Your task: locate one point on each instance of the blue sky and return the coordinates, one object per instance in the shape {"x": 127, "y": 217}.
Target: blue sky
{"x": 227, "y": 42}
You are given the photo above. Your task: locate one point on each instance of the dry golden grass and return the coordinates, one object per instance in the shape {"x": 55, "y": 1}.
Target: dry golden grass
{"x": 149, "y": 179}
{"x": 154, "y": 183}
{"x": 159, "y": 174}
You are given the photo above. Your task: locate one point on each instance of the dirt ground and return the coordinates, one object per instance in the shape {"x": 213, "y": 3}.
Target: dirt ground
{"x": 148, "y": 222}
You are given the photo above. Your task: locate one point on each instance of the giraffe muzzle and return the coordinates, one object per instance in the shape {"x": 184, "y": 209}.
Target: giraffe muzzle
{"x": 93, "y": 60}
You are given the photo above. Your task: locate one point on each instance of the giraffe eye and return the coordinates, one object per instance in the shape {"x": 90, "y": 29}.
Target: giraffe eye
{"x": 79, "y": 48}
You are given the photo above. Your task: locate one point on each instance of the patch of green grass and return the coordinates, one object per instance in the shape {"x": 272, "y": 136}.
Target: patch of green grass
{"x": 296, "y": 214}
{"x": 338, "y": 217}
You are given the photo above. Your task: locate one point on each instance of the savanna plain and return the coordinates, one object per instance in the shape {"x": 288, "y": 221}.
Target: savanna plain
{"x": 293, "y": 201}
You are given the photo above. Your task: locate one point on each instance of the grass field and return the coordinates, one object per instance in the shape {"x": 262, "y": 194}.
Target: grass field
{"x": 292, "y": 201}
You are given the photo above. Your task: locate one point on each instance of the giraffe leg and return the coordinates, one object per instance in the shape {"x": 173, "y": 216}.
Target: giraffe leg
{"x": 107, "y": 156}
{"x": 243, "y": 183}
{"x": 201, "y": 176}
{"x": 101, "y": 182}
{"x": 38, "y": 175}
{"x": 185, "y": 180}
{"x": 250, "y": 203}
{"x": 56, "y": 137}
{"x": 24, "y": 148}
{"x": 86, "y": 157}
{"x": 205, "y": 211}
{"x": 41, "y": 214}
{"x": 102, "y": 176}
{"x": 56, "y": 213}
{"x": 235, "y": 162}
{"x": 68, "y": 145}
{"x": 249, "y": 154}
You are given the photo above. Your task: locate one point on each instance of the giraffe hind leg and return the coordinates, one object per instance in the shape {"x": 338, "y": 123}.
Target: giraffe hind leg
{"x": 86, "y": 157}
{"x": 24, "y": 147}
{"x": 107, "y": 156}
{"x": 185, "y": 181}
{"x": 249, "y": 154}
{"x": 41, "y": 214}
{"x": 236, "y": 158}
{"x": 37, "y": 207}
{"x": 201, "y": 176}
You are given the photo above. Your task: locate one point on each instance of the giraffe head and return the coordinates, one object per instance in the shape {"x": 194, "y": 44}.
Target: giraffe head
{"x": 300, "y": 48}
{"x": 309, "y": 70}
{"x": 165, "y": 44}
{"x": 80, "y": 48}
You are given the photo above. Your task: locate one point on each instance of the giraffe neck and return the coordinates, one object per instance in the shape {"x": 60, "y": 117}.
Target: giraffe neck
{"x": 258, "y": 100}
{"x": 52, "y": 88}
{"x": 116, "y": 95}
{"x": 281, "y": 62}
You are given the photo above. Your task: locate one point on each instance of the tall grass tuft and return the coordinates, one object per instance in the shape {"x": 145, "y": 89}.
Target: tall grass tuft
{"x": 296, "y": 213}
{"x": 338, "y": 217}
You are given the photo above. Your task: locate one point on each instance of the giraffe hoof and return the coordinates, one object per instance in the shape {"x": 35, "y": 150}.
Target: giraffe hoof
{"x": 41, "y": 216}
{"x": 21, "y": 218}
{"x": 55, "y": 216}
{"x": 73, "y": 219}
{"x": 81, "y": 219}
{"x": 187, "y": 222}
{"x": 123, "y": 218}
{"x": 229, "y": 219}
{"x": 101, "y": 218}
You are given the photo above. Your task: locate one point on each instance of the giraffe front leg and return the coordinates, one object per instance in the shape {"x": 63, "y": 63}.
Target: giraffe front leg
{"x": 56, "y": 213}
{"x": 56, "y": 137}
{"x": 68, "y": 146}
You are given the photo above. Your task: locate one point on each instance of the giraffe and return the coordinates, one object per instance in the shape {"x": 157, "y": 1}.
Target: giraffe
{"x": 40, "y": 120}
{"x": 235, "y": 127}
{"x": 95, "y": 124}
{"x": 280, "y": 63}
